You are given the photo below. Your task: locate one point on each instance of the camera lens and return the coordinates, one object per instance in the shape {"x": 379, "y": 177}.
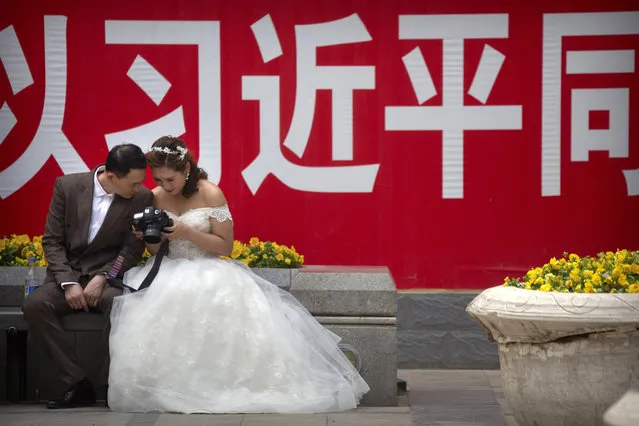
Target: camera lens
{"x": 152, "y": 235}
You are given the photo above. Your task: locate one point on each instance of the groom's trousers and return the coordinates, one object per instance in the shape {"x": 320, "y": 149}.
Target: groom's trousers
{"x": 43, "y": 310}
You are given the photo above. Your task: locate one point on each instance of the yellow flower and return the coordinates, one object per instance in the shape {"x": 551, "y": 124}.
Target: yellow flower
{"x": 279, "y": 257}
{"x": 596, "y": 280}
{"x": 287, "y": 261}
{"x": 21, "y": 239}
{"x": 621, "y": 255}
{"x": 254, "y": 241}
{"x": 575, "y": 275}
{"x": 238, "y": 248}
{"x": 622, "y": 280}
{"x": 38, "y": 248}
{"x": 617, "y": 271}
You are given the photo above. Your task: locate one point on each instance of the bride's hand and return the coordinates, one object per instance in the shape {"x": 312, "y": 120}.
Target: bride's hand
{"x": 179, "y": 231}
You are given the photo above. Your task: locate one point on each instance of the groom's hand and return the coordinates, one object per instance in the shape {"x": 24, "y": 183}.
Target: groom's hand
{"x": 93, "y": 290}
{"x": 75, "y": 297}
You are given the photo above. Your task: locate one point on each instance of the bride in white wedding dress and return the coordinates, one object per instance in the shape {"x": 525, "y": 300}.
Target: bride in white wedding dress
{"x": 209, "y": 336}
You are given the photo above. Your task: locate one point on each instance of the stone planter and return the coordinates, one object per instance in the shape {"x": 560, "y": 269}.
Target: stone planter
{"x": 565, "y": 357}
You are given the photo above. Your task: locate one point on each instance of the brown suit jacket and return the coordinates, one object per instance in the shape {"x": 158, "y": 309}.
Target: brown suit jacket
{"x": 66, "y": 232}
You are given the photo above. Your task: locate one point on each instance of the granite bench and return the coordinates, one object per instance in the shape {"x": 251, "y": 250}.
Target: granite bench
{"x": 357, "y": 303}
{"x": 26, "y": 369}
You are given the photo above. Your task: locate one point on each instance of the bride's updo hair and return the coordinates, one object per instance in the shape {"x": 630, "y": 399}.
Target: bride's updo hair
{"x": 172, "y": 153}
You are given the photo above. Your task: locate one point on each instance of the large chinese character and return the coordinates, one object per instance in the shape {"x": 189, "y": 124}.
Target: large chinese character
{"x": 341, "y": 80}
{"x": 49, "y": 139}
{"x": 206, "y": 36}
{"x": 452, "y": 118}
{"x": 585, "y": 103}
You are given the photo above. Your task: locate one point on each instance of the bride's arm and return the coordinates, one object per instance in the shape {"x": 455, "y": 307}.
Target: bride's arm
{"x": 152, "y": 248}
{"x": 220, "y": 240}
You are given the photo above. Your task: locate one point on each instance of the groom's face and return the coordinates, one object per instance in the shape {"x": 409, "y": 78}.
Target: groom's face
{"x": 128, "y": 185}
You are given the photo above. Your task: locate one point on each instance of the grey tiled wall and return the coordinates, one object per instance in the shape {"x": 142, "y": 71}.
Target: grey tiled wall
{"x": 434, "y": 331}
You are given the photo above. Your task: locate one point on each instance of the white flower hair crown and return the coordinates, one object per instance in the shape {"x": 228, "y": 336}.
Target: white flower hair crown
{"x": 181, "y": 152}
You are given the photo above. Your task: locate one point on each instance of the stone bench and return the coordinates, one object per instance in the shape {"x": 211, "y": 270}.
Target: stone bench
{"x": 26, "y": 369}
{"x": 357, "y": 303}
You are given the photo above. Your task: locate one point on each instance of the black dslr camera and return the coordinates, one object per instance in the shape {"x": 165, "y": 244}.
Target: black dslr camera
{"x": 151, "y": 222}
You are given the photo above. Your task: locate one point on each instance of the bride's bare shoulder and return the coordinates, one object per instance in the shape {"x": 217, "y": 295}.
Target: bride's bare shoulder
{"x": 213, "y": 195}
{"x": 159, "y": 197}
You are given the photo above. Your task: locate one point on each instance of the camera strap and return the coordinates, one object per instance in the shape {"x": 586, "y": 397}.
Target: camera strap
{"x": 163, "y": 250}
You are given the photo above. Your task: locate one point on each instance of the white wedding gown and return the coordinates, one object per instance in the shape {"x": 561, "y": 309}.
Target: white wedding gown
{"x": 209, "y": 336}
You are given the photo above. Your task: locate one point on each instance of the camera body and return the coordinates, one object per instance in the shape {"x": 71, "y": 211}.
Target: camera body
{"x": 151, "y": 222}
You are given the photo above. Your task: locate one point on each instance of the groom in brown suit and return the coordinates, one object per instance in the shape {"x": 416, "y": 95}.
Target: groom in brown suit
{"x": 87, "y": 229}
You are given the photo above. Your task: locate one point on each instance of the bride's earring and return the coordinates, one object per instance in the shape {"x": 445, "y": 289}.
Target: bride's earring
{"x": 187, "y": 175}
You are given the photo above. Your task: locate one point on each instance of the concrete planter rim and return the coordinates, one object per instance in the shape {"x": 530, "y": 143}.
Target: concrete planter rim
{"x": 510, "y": 314}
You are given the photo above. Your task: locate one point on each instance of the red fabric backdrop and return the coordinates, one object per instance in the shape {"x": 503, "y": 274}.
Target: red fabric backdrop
{"x": 454, "y": 197}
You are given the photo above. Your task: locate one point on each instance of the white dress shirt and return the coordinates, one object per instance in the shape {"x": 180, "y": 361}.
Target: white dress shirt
{"x": 99, "y": 208}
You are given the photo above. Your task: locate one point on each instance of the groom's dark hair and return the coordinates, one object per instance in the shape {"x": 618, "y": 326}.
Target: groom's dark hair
{"x": 122, "y": 158}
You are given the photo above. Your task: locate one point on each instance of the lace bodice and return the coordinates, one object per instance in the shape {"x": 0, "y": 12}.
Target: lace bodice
{"x": 199, "y": 219}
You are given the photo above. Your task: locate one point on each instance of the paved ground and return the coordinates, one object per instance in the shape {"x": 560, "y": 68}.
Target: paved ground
{"x": 435, "y": 398}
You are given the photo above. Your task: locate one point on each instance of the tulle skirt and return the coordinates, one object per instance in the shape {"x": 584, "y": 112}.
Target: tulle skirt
{"x": 209, "y": 336}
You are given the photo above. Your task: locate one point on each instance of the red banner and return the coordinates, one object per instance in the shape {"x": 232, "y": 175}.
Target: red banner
{"x": 455, "y": 142}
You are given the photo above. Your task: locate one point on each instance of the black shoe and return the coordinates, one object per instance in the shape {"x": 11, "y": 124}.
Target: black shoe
{"x": 81, "y": 394}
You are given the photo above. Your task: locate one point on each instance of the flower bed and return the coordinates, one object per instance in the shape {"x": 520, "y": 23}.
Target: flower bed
{"x": 606, "y": 273}
{"x": 16, "y": 250}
